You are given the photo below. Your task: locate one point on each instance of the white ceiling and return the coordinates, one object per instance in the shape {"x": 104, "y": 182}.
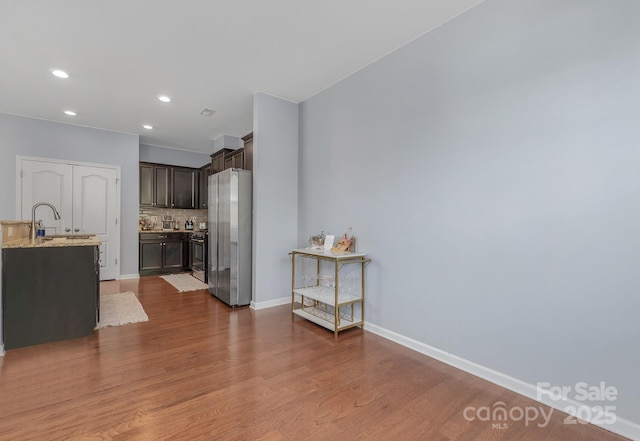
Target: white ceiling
{"x": 122, "y": 54}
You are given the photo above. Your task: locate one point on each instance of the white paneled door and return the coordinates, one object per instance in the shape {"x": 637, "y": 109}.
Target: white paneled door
{"x": 94, "y": 209}
{"x": 47, "y": 182}
{"x": 86, "y": 197}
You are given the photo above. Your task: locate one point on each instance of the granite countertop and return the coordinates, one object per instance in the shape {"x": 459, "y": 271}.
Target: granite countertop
{"x": 91, "y": 241}
{"x": 182, "y": 230}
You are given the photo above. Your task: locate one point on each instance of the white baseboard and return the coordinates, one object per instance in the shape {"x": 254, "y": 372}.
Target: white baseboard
{"x": 621, "y": 426}
{"x": 1, "y": 350}
{"x": 129, "y": 276}
{"x": 270, "y": 303}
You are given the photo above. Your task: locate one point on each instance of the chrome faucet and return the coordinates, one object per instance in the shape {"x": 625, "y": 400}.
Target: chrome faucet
{"x": 56, "y": 216}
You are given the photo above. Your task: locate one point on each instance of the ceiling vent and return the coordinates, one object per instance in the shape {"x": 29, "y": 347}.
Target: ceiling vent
{"x": 207, "y": 112}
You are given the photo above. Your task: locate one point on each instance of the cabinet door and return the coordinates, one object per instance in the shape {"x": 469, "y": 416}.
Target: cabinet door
{"x": 217, "y": 161}
{"x": 162, "y": 186}
{"x": 183, "y": 188}
{"x": 238, "y": 159}
{"x": 248, "y": 151}
{"x": 203, "y": 193}
{"x": 174, "y": 255}
{"x": 146, "y": 185}
{"x": 228, "y": 162}
{"x": 150, "y": 256}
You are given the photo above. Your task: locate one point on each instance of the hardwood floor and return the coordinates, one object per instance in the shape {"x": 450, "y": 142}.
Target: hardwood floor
{"x": 199, "y": 370}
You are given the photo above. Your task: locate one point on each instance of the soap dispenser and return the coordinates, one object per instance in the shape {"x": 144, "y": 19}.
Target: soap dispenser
{"x": 40, "y": 230}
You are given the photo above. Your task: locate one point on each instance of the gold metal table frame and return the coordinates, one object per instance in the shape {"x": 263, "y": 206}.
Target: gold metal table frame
{"x": 325, "y": 305}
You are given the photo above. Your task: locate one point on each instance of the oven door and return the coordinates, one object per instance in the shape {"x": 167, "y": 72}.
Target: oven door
{"x": 198, "y": 259}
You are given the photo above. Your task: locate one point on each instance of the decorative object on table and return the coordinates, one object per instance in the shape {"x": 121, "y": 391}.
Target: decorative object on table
{"x": 317, "y": 241}
{"x": 328, "y": 242}
{"x": 120, "y": 309}
{"x": 346, "y": 243}
{"x": 185, "y": 282}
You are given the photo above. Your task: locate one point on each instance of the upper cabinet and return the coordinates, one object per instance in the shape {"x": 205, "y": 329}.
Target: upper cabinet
{"x": 248, "y": 151}
{"x": 155, "y": 185}
{"x": 237, "y": 159}
{"x": 234, "y": 158}
{"x": 164, "y": 186}
{"x": 184, "y": 188}
{"x": 203, "y": 194}
{"x": 219, "y": 160}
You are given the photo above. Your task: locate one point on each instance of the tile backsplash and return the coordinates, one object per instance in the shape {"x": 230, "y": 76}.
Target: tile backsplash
{"x": 153, "y": 217}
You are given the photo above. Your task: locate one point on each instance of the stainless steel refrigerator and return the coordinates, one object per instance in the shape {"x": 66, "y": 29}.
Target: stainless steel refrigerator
{"x": 229, "y": 265}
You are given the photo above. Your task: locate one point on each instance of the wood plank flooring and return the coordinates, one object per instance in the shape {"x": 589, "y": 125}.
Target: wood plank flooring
{"x": 199, "y": 370}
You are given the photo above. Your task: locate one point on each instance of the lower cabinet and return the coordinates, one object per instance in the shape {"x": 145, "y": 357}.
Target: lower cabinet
{"x": 163, "y": 253}
{"x": 49, "y": 294}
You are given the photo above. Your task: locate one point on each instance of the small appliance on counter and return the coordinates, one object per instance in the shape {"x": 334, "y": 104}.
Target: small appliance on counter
{"x": 167, "y": 223}
{"x": 188, "y": 225}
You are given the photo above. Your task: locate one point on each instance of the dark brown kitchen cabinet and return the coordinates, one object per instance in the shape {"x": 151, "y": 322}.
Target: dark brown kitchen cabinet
{"x": 227, "y": 158}
{"x": 151, "y": 256}
{"x": 163, "y": 253}
{"x": 218, "y": 160}
{"x": 203, "y": 193}
{"x": 237, "y": 159}
{"x": 248, "y": 151}
{"x": 49, "y": 294}
{"x": 155, "y": 185}
{"x": 228, "y": 162}
{"x": 184, "y": 188}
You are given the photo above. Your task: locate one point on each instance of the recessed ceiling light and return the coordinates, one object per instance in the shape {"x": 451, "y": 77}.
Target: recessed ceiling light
{"x": 59, "y": 73}
{"x": 148, "y": 126}
{"x": 164, "y": 98}
{"x": 70, "y": 112}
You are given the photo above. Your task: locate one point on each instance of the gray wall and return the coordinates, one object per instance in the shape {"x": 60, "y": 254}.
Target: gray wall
{"x": 491, "y": 170}
{"x": 275, "y": 196}
{"x": 164, "y": 155}
{"x": 46, "y": 139}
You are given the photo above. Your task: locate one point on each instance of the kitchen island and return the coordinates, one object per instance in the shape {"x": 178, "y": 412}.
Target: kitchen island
{"x": 50, "y": 287}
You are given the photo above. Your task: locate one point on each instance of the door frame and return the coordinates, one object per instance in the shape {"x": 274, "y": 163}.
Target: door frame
{"x": 117, "y": 168}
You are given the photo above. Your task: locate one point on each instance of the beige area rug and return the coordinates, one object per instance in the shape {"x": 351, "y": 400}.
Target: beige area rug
{"x": 120, "y": 309}
{"x": 185, "y": 282}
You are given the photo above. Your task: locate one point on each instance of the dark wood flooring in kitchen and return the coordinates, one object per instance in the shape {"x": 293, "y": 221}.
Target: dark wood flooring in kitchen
{"x": 198, "y": 370}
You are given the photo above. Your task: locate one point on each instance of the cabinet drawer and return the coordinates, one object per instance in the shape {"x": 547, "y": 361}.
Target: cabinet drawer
{"x": 162, "y": 237}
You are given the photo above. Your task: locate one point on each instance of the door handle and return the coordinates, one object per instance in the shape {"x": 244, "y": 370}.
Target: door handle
{"x": 67, "y": 229}
{"x": 76, "y": 229}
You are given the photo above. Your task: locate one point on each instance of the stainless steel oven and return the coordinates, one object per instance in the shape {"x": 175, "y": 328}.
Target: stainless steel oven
{"x": 198, "y": 251}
